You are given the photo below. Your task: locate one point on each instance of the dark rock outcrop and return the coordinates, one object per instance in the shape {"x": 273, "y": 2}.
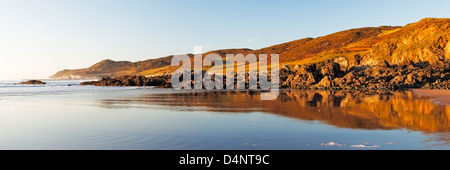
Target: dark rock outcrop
{"x": 33, "y": 82}
{"x": 159, "y": 81}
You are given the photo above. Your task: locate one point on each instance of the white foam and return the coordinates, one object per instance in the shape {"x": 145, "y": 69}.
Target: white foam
{"x": 364, "y": 146}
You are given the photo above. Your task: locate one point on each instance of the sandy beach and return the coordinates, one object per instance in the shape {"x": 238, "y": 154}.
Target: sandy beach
{"x": 439, "y": 96}
{"x": 57, "y": 116}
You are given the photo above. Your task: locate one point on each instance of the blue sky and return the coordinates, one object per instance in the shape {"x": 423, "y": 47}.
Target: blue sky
{"x": 40, "y": 37}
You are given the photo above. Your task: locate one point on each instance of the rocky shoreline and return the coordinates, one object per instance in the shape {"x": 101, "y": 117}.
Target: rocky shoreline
{"x": 158, "y": 81}
{"x": 330, "y": 75}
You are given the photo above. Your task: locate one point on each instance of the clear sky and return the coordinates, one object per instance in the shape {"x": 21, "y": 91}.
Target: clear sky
{"x": 41, "y": 37}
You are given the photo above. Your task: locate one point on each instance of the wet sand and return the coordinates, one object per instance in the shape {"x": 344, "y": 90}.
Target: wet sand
{"x": 167, "y": 119}
{"x": 439, "y": 96}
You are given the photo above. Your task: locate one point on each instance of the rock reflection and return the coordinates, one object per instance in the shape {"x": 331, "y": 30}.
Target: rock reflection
{"x": 357, "y": 110}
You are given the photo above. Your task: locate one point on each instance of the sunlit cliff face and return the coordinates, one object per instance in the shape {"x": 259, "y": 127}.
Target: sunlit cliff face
{"x": 356, "y": 110}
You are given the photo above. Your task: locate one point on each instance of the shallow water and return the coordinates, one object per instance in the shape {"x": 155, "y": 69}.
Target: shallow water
{"x": 143, "y": 118}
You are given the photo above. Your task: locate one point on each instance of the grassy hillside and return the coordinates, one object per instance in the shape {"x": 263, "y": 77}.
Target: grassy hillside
{"x": 426, "y": 40}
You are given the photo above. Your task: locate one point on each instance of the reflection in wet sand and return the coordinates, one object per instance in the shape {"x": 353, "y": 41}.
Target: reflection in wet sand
{"x": 356, "y": 110}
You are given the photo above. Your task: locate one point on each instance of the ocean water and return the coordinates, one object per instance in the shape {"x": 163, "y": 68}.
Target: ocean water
{"x": 13, "y": 88}
{"x": 58, "y": 116}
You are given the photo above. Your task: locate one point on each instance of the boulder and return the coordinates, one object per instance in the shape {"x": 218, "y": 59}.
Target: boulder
{"x": 296, "y": 67}
{"x": 325, "y": 82}
{"x": 311, "y": 79}
{"x": 302, "y": 70}
{"x": 286, "y": 67}
{"x": 343, "y": 63}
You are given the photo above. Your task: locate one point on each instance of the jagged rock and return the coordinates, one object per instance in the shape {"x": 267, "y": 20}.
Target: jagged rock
{"x": 357, "y": 83}
{"x": 410, "y": 79}
{"x": 349, "y": 77}
{"x": 339, "y": 82}
{"x": 326, "y": 71}
{"x": 343, "y": 63}
{"x": 286, "y": 67}
{"x": 382, "y": 76}
{"x": 398, "y": 80}
{"x": 325, "y": 82}
{"x": 362, "y": 80}
{"x": 296, "y": 67}
{"x": 302, "y": 70}
{"x": 162, "y": 81}
{"x": 311, "y": 79}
